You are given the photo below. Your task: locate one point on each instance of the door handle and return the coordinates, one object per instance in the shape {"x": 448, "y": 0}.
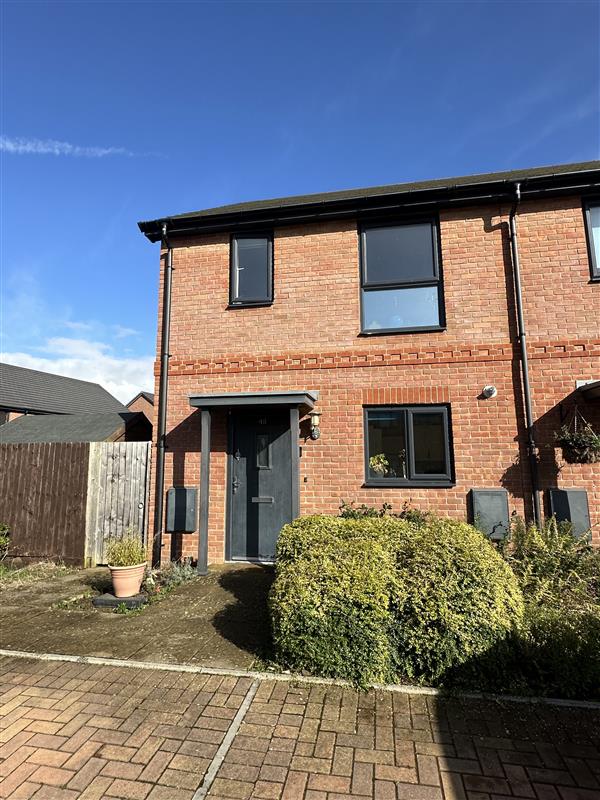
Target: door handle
{"x": 235, "y": 484}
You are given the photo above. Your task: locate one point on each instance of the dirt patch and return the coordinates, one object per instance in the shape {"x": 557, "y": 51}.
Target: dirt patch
{"x": 16, "y": 577}
{"x": 220, "y": 620}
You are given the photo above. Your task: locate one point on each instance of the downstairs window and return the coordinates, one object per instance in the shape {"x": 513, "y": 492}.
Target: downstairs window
{"x": 407, "y": 446}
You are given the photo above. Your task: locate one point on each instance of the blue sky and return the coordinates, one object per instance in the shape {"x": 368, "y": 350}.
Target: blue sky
{"x": 114, "y": 112}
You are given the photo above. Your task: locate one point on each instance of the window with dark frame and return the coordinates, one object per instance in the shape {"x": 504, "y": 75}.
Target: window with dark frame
{"x": 251, "y": 276}
{"x": 400, "y": 278}
{"x": 407, "y": 446}
{"x": 592, "y": 220}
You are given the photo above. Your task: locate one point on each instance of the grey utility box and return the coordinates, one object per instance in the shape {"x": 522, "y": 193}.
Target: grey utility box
{"x": 570, "y": 505}
{"x": 181, "y": 509}
{"x": 489, "y": 512}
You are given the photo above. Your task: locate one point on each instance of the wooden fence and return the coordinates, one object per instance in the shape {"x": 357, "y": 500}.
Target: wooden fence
{"x": 117, "y": 493}
{"x": 62, "y": 500}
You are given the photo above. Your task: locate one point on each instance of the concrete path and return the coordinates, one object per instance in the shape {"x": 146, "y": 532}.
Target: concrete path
{"x": 72, "y": 730}
{"x": 218, "y": 621}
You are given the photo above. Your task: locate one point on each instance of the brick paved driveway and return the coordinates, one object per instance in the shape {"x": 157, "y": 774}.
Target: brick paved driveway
{"x": 71, "y": 730}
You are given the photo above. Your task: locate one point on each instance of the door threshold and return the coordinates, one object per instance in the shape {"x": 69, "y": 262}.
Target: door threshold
{"x": 250, "y": 561}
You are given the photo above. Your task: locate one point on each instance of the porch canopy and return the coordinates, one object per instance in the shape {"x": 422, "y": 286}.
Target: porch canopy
{"x": 296, "y": 402}
{"x": 590, "y": 390}
{"x": 302, "y": 400}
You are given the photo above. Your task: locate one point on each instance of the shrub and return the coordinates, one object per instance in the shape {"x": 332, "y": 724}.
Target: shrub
{"x": 560, "y": 578}
{"x": 4, "y": 540}
{"x": 126, "y": 551}
{"x": 551, "y": 564}
{"x": 350, "y": 511}
{"x": 456, "y": 599}
{"x": 561, "y": 647}
{"x": 376, "y": 597}
{"x": 330, "y": 602}
{"x": 557, "y": 650}
{"x": 174, "y": 573}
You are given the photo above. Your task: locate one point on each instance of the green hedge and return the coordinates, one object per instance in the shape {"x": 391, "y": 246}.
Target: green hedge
{"x": 330, "y": 602}
{"x": 457, "y": 599}
{"x": 374, "y": 599}
{"x": 561, "y": 648}
{"x": 557, "y": 650}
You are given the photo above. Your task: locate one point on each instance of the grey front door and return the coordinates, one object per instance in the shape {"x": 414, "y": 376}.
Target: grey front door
{"x": 260, "y": 480}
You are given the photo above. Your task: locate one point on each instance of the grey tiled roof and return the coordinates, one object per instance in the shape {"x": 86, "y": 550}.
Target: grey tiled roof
{"x": 149, "y": 396}
{"x": 65, "y": 427}
{"x": 150, "y": 227}
{"x": 32, "y": 390}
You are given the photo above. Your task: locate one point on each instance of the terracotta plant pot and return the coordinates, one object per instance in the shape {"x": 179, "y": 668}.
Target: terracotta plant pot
{"x": 127, "y": 580}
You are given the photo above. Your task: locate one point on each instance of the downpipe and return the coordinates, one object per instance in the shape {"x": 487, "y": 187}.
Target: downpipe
{"x": 162, "y": 402}
{"x": 522, "y": 338}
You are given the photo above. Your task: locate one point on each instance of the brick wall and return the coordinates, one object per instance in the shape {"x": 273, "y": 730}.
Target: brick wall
{"x": 308, "y": 339}
{"x": 144, "y": 405}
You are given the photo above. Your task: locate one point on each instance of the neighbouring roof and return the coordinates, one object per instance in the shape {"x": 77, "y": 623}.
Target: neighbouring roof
{"x": 33, "y": 428}
{"x": 590, "y": 390}
{"x": 24, "y": 389}
{"x": 149, "y": 396}
{"x": 566, "y": 177}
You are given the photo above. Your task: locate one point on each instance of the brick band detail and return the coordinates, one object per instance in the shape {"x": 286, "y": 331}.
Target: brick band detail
{"x": 349, "y": 359}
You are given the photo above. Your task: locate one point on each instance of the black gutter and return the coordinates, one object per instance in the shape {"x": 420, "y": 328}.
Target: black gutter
{"x": 162, "y": 402}
{"x": 522, "y": 336}
{"x": 382, "y": 202}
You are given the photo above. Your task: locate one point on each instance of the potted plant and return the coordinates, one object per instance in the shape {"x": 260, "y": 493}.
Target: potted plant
{"x": 126, "y": 557}
{"x": 580, "y": 443}
{"x": 379, "y": 464}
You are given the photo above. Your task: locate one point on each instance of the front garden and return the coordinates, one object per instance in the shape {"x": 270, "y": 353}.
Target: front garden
{"x": 373, "y": 597}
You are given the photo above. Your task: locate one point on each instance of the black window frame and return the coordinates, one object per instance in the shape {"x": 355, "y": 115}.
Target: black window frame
{"x": 592, "y": 202}
{"x": 445, "y": 480}
{"x": 366, "y": 286}
{"x": 256, "y": 302}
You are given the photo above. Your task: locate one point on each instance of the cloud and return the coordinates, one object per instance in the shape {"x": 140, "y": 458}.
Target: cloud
{"x": 123, "y": 377}
{"x": 51, "y": 147}
{"x": 77, "y": 348}
{"x": 122, "y": 333}
{"x": 42, "y": 335}
{"x": 77, "y": 326}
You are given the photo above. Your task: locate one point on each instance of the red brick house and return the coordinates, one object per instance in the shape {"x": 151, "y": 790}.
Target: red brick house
{"x": 440, "y": 352}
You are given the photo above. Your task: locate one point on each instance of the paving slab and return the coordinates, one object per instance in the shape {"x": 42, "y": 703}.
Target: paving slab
{"x": 220, "y": 620}
{"x": 85, "y": 731}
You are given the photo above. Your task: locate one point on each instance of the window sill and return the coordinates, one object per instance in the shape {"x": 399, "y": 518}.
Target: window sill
{"x": 258, "y": 304}
{"x": 595, "y": 279}
{"x": 395, "y": 331}
{"x": 391, "y": 484}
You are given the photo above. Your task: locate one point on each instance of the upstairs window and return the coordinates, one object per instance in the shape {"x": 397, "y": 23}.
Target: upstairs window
{"x": 592, "y": 219}
{"x": 407, "y": 446}
{"x": 251, "y": 278}
{"x": 400, "y": 278}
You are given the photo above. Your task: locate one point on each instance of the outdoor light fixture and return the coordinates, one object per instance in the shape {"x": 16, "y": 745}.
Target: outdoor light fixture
{"x": 315, "y": 418}
{"x": 489, "y": 391}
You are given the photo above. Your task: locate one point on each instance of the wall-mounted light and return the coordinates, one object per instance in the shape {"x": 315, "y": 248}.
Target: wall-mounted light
{"x": 489, "y": 392}
{"x": 315, "y": 420}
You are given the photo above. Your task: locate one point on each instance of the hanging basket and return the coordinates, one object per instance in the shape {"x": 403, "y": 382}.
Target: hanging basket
{"x": 579, "y": 442}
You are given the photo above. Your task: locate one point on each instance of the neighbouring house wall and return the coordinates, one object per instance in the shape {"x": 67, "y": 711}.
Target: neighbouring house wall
{"x": 8, "y": 416}
{"x": 144, "y": 405}
{"x": 309, "y": 339}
